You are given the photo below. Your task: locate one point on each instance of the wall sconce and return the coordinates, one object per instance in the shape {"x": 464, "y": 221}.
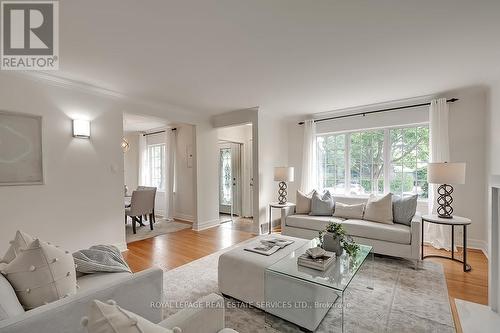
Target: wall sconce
{"x": 125, "y": 145}
{"x": 81, "y": 128}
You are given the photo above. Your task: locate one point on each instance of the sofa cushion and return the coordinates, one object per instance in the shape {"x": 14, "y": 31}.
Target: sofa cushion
{"x": 21, "y": 241}
{"x": 303, "y": 205}
{"x": 379, "y": 209}
{"x": 321, "y": 205}
{"x": 109, "y": 317}
{"x": 9, "y": 304}
{"x": 394, "y": 233}
{"x": 404, "y": 208}
{"x": 349, "y": 211}
{"x": 41, "y": 274}
{"x": 310, "y": 222}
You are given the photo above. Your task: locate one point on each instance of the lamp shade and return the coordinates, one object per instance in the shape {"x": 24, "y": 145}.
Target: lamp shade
{"x": 81, "y": 128}
{"x": 283, "y": 174}
{"x": 446, "y": 173}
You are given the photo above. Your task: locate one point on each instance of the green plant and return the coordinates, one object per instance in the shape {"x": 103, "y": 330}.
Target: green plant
{"x": 338, "y": 232}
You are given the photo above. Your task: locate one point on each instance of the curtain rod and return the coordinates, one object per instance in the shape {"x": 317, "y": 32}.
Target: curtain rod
{"x": 452, "y": 100}
{"x": 158, "y": 132}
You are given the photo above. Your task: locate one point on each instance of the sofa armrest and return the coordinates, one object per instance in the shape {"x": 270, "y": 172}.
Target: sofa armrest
{"x": 205, "y": 316}
{"x": 416, "y": 235}
{"x": 285, "y": 212}
{"x": 134, "y": 292}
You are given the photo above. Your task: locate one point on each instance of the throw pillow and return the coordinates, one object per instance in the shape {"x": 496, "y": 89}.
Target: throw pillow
{"x": 9, "y": 304}
{"x": 404, "y": 208}
{"x": 41, "y": 274}
{"x": 379, "y": 209}
{"x": 109, "y": 317}
{"x": 321, "y": 205}
{"x": 303, "y": 205}
{"x": 349, "y": 211}
{"x": 21, "y": 241}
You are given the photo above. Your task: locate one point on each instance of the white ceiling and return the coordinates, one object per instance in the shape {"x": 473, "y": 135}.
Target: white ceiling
{"x": 140, "y": 123}
{"x": 287, "y": 56}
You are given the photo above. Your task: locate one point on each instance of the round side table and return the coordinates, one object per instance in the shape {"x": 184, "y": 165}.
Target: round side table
{"x": 454, "y": 221}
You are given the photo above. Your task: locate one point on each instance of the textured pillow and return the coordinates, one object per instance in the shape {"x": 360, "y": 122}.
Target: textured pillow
{"x": 303, "y": 205}
{"x": 403, "y": 209}
{"x": 349, "y": 211}
{"x": 41, "y": 274}
{"x": 321, "y": 205}
{"x": 9, "y": 304}
{"x": 109, "y": 317}
{"x": 379, "y": 209}
{"x": 21, "y": 241}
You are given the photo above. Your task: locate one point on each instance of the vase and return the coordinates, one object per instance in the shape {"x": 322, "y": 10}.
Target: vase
{"x": 332, "y": 244}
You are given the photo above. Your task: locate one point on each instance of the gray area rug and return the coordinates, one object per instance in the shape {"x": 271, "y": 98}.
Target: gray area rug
{"x": 403, "y": 299}
{"x": 161, "y": 227}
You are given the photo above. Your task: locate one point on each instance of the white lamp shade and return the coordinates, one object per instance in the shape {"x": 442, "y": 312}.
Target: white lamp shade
{"x": 284, "y": 174}
{"x": 81, "y": 128}
{"x": 446, "y": 173}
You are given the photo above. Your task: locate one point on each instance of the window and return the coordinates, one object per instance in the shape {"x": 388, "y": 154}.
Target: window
{"x": 156, "y": 163}
{"x": 374, "y": 161}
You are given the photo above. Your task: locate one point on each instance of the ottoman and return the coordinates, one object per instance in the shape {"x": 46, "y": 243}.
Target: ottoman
{"x": 242, "y": 273}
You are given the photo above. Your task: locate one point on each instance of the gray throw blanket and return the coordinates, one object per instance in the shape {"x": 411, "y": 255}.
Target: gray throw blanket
{"x": 100, "y": 258}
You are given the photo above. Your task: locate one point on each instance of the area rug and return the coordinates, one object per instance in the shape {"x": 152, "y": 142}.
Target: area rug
{"x": 161, "y": 227}
{"x": 403, "y": 299}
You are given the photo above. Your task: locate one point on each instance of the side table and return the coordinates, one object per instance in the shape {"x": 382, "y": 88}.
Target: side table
{"x": 454, "y": 221}
{"x": 279, "y": 206}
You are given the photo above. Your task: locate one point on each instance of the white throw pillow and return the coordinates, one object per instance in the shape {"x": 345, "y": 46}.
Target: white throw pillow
{"x": 109, "y": 317}
{"x": 349, "y": 211}
{"x": 41, "y": 274}
{"x": 303, "y": 205}
{"x": 9, "y": 304}
{"x": 379, "y": 209}
{"x": 21, "y": 241}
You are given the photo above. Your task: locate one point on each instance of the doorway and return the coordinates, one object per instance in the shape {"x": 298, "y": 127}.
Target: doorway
{"x": 230, "y": 194}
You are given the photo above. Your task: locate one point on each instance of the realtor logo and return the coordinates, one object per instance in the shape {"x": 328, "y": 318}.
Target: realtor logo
{"x": 30, "y": 35}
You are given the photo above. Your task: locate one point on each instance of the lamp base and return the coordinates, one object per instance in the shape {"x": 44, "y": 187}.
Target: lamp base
{"x": 282, "y": 193}
{"x": 444, "y": 200}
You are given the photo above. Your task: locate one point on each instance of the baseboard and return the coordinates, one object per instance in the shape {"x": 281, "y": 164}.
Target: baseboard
{"x": 206, "y": 224}
{"x": 479, "y": 245}
{"x": 121, "y": 246}
{"x": 184, "y": 217}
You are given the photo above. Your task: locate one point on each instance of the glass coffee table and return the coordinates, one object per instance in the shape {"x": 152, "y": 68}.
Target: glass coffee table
{"x": 304, "y": 296}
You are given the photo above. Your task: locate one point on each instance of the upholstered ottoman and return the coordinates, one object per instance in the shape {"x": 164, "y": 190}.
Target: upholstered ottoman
{"x": 242, "y": 273}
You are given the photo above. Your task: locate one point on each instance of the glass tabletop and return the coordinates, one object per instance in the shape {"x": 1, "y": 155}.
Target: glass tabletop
{"x": 337, "y": 276}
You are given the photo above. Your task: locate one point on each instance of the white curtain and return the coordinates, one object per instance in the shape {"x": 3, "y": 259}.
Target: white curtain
{"x": 143, "y": 161}
{"x": 308, "y": 179}
{"x": 438, "y": 236}
{"x": 171, "y": 146}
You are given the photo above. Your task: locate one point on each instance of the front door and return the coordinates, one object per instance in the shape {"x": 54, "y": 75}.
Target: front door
{"x": 230, "y": 178}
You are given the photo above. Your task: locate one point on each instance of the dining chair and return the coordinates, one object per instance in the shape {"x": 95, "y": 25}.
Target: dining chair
{"x": 153, "y": 189}
{"x": 140, "y": 205}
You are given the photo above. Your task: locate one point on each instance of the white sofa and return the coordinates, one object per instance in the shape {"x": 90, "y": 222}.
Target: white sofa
{"x": 396, "y": 240}
{"x": 135, "y": 292}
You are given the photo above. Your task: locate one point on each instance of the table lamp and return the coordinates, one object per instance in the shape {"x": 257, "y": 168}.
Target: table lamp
{"x": 445, "y": 174}
{"x": 283, "y": 175}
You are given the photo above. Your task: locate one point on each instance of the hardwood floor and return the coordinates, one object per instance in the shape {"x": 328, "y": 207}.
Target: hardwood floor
{"x": 176, "y": 249}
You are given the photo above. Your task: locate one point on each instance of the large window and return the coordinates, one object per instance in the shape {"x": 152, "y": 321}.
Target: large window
{"x": 156, "y": 163}
{"x": 374, "y": 161}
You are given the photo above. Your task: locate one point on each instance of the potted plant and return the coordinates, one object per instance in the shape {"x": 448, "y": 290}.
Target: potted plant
{"x": 335, "y": 239}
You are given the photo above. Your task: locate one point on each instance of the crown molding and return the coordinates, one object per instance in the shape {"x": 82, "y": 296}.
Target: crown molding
{"x": 100, "y": 91}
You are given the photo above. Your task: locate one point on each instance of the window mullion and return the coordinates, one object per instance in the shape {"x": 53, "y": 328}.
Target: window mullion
{"x": 347, "y": 185}
{"x": 387, "y": 160}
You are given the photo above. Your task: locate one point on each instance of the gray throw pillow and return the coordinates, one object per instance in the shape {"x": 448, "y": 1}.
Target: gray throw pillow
{"x": 404, "y": 208}
{"x": 321, "y": 205}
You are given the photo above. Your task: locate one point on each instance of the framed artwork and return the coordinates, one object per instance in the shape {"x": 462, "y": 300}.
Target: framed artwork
{"x": 21, "y": 159}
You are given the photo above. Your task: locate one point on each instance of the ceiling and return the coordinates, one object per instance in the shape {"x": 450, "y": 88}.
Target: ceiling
{"x": 139, "y": 123}
{"x": 286, "y": 56}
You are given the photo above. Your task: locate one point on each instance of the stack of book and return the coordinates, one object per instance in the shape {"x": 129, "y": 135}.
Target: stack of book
{"x": 320, "y": 263}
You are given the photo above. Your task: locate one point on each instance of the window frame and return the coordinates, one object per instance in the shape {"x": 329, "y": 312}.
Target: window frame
{"x": 162, "y": 164}
{"x": 386, "y": 154}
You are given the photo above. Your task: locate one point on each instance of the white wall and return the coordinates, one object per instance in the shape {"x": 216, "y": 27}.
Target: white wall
{"x": 242, "y": 134}
{"x": 184, "y": 199}
{"x": 81, "y": 202}
{"x": 131, "y": 161}
{"x": 467, "y": 144}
